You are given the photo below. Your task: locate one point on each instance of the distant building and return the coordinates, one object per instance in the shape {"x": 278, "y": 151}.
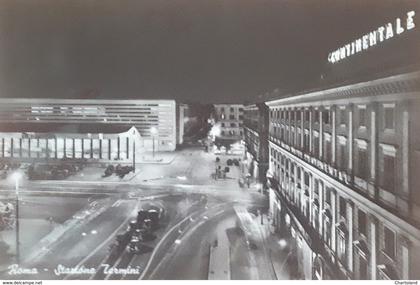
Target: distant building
{"x": 256, "y": 126}
{"x": 181, "y": 120}
{"x": 229, "y": 120}
{"x": 101, "y": 129}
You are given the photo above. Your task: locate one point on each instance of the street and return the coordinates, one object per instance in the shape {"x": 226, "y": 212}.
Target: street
{"x": 81, "y": 219}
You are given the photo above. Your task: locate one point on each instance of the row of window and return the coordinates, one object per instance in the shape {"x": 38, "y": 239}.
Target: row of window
{"x": 231, "y": 109}
{"x": 232, "y": 117}
{"x": 326, "y": 211}
{"x": 320, "y": 145}
{"x": 294, "y": 116}
{"x": 231, "y": 133}
{"x": 232, "y": 125}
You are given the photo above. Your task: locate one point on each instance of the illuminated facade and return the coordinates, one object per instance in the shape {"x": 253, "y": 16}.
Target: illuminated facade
{"x": 256, "y": 140}
{"x": 229, "y": 118}
{"x": 101, "y": 129}
{"x": 343, "y": 173}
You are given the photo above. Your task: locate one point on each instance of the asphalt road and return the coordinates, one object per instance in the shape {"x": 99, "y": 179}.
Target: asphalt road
{"x": 196, "y": 207}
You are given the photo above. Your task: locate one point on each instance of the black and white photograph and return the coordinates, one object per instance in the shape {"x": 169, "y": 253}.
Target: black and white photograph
{"x": 209, "y": 140}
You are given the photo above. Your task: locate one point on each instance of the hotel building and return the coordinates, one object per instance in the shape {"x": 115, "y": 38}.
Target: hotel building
{"x": 256, "y": 126}
{"x": 344, "y": 160}
{"x": 343, "y": 172}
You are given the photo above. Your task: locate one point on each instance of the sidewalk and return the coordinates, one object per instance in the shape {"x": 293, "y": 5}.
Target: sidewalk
{"x": 279, "y": 255}
{"x": 166, "y": 157}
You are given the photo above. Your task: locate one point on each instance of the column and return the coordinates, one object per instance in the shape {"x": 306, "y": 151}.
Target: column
{"x": 373, "y": 152}
{"x": 29, "y": 147}
{"x": 100, "y": 148}
{"x": 321, "y": 206}
{"x": 91, "y": 147}
{"x": 56, "y": 147}
{"x": 311, "y": 196}
{"x": 302, "y": 127}
{"x": 83, "y": 147}
{"x": 20, "y": 147}
{"x": 350, "y": 144}
{"x": 405, "y": 259}
{"x": 109, "y": 149}
{"x": 64, "y": 147}
{"x": 118, "y": 147}
{"x": 74, "y": 147}
{"x": 373, "y": 247}
{"x": 302, "y": 190}
{"x": 11, "y": 147}
{"x": 350, "y": 237}
{"x": 127, "y": 147}
{"x": 47, "y": 152}
{"x": 333, "y": 219}
{"x": 311, "y": 137}
{"x": 37, "y": 145}
{"x": 333, "y": 134}
{"x": 321, "y": 134}
{"x": 405, "y": 152}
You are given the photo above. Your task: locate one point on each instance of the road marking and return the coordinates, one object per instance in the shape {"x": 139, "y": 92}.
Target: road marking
{"x": 186, "y": 234}
{"x": 111, "y": 236}
{"x": 116, "y": 203}
{"x": 169, "y": 232}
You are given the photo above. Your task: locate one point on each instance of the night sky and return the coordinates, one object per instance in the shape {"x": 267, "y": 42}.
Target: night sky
{"x": 189, "y": 50}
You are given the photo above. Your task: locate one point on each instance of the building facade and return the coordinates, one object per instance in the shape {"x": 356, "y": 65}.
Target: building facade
{"x": 343, "y": 165}
{"x": 256, "y": 126}
{"x": 229, "y": 119}
{"x": 58, "y": 128}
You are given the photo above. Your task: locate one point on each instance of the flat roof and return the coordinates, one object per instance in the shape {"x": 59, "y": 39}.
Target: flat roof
{"x": 82, "y": 128}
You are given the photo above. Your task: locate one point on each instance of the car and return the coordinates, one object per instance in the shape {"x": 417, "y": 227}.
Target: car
{"x": 135, "y": 245}
{"x": 154, "y": 216}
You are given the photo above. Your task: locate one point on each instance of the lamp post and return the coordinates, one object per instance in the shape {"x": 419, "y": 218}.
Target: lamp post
{"x": 16, "y": 177}
{"x": 153, "y": 131}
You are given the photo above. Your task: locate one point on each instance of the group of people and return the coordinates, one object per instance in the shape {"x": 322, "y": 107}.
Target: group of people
{"x": 6, "y": 216}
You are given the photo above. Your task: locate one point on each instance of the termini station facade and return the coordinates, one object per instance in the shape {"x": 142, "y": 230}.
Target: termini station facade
{"x": 91, "y": 129}
{"x": 344, "y": 160}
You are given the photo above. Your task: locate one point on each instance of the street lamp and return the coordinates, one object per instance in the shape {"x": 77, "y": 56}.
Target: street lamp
{"x": 154, "y": 132}
{"x": 16, "y": 177}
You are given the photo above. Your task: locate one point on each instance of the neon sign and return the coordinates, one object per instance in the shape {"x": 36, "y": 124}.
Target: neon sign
{"x": 373, "y": 38}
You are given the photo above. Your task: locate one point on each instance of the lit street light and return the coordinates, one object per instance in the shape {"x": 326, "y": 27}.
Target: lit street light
{"x": 154, "y": 132}
{"x": 16, "y": 177}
